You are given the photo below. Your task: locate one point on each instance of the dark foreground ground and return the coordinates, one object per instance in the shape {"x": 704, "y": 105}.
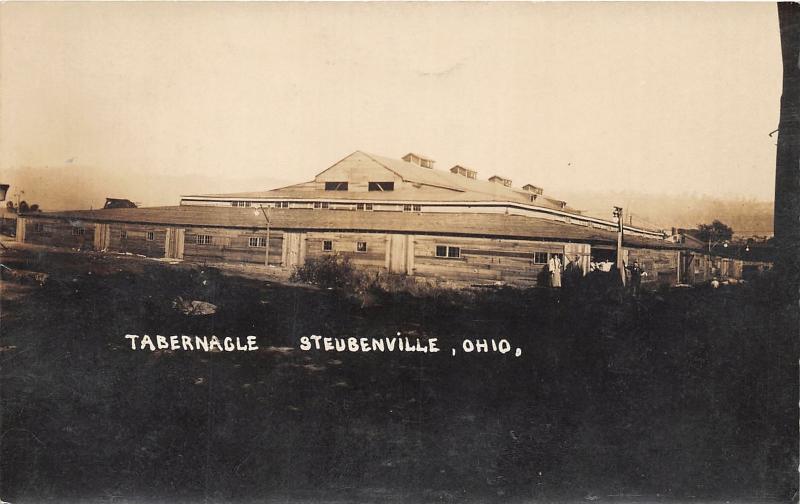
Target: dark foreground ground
{"x": 688, "y": 394}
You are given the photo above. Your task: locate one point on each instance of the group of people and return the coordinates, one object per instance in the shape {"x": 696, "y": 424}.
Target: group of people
{"x": 569, "y": 274}
{"x": 572, "y": 273}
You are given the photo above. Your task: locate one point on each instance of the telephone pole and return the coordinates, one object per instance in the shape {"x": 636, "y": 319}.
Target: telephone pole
{"x": 620, "y": 227}
{"x": 266, "y": 216}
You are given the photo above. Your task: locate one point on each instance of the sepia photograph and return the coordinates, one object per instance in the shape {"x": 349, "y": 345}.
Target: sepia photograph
{"x": 399, "y": 252}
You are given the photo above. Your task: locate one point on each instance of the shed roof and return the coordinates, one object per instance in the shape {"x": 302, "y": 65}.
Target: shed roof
{"x": 477, "y": 225}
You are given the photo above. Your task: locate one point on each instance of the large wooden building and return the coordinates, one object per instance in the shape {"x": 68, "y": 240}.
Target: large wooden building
{"x": 399, "y": 216}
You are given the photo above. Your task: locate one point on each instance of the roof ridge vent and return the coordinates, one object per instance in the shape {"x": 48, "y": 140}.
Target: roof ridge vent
{"x": 419, "y": 160}
{"x": 497, "y": 179}
{"x": 533, "y": 189}
{"x": 464, "y": 172}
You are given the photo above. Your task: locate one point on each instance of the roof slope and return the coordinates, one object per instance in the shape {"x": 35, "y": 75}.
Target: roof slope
{"x": 474, "y": 188}
{"x": 486, "y": 225}
{"x": 459, "y": 188}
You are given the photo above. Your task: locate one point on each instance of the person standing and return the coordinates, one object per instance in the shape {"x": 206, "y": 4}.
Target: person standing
{"x": 573, "y": 272}
{"x": 554, "y": 265}
{"x": 636, "y": 273}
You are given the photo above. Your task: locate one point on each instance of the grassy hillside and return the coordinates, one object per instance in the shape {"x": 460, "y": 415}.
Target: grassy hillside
{"x": 683, "y": 394}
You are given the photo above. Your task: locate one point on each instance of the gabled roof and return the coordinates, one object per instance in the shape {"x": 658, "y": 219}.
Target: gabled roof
{"x": 452, "y": 187}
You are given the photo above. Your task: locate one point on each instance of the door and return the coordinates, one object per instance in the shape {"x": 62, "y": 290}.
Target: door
{"x": 293, "y": 249}
{"x": 173, "y": 248}
{"x": 400, "y": 254}
{"x": 102, "y": 236}
{"x": 687, "y": 267}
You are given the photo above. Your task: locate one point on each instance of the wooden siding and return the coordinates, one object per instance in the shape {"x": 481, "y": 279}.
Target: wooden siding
{"x": 229, "y": 245}
{"x": 696, "y": 268}
{"x": 58, "y": 233}
{"x": 482, "y": 259}
{"x": 358, "y": 170}
{"x": 136, "y": 241}
{"x": 661, "y": 266}
{"x": 344, "y": 244}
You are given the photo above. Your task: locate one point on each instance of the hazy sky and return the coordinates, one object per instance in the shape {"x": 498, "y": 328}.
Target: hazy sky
{"x": 661, "y": 98}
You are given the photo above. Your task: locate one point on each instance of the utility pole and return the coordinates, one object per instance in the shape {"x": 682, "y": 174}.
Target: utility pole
{"x": 266, "y": 216}
{"x": 620, "y": 226}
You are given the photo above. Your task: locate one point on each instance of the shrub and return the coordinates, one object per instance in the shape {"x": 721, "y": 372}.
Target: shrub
{"x": 328, "y": 271}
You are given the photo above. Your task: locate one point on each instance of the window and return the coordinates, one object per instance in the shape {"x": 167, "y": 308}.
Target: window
{"x": 320, "y": 204}
{"x": 327, "y": 245}
{"x": 364, "y": 206}
{"x": 38, "y": 227}
{"x": 202, "y": 239}
{"x": 381, "y": 186}
{"x": 448, "y": 251}
{"x": 540, "y": 258}
{"x": 240, "y": 203}
{"x": 412, "y": 208}
{"x": 78, "y": 231}
{"x": 257, "y": 241}
{"x": 123, "y": 235}
{"x": 361, "y": 246}
{"x": 282, "y": 204}
{"x": 335, "y": 186}
{"x": 151, "y": 236}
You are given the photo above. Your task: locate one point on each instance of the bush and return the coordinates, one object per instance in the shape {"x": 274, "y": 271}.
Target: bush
{"x": 328, "y": 271}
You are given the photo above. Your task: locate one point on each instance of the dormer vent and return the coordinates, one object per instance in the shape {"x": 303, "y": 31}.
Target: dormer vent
{"x": 533, "y": 189}
{"x": 500, "y": 180}
{"x": 464, "y": 172}
{"x": 419, "y": 160}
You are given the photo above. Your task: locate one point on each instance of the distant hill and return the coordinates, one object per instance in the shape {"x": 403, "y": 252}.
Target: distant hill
{"x": 746, "y": 216}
